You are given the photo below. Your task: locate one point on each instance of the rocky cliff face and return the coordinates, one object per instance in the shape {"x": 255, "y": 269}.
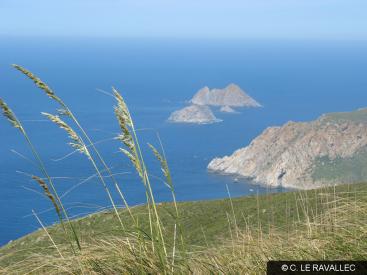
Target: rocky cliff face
{"x": 232, "y": 96}
{"x": 199, "y": 114}
{"x": 304, "y": 155}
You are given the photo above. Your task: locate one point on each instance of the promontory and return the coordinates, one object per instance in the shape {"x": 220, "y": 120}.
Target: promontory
{"x": 304, "y": 155}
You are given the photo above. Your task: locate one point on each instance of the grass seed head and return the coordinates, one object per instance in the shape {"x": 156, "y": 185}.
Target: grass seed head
{"x": 44, "y": 186}
{"x": 122, "y": 109}
{"x": 40, "y": 84}
{"x": 124, "y": 119}
{"x": 164, "y": 165}
{"x": 134, "y": 161}
{"x": 8, "y": 113}
{"x": 77, "y": 142}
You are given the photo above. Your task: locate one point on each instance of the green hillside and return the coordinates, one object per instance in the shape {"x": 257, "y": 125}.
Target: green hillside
{"x": 331, "y": 220}
{"x": 341, "y": 170}
{"x": 358, "y": 116}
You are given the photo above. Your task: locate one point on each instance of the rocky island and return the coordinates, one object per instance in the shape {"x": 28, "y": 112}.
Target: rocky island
{"x": 231, "y": 96}
{"x": 227, "y": 109}
{"x": 199, "y": 111}
{"x": 304, "y": 155}
{"x": 199, "y": 114}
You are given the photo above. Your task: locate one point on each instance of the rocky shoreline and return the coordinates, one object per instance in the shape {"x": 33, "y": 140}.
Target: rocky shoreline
{"x": 304, "y": 155}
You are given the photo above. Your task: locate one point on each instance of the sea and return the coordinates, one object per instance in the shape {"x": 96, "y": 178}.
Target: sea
{"x": 293, "y": 80}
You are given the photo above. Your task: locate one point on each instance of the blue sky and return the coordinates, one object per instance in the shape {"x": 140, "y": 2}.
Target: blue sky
{"x": 284, "y": 19}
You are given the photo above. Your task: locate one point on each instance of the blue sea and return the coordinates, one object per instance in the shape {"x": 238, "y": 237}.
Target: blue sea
{"x": 293, "y": 80}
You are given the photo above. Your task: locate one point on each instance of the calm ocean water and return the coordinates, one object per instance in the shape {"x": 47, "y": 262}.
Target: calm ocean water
{"x": 293, "y": 80}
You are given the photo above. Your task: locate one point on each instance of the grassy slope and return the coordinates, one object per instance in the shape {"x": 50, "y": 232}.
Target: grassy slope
{"x": 344, "y": 170}
{"x": 273, "y": 212}
{"x": 355, "y": 116}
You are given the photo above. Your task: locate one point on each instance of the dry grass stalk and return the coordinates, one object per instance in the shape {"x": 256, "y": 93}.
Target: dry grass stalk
{"x": 77, "y": 141}
{"x": 167, "y": 174}
{"x": 42, "y": 85}
{"x": 133, "y": 152}
{"x": 47, "y": 233}
{"x": 8, "y": 113}
{"x": 125, "y": 122}
{"x": 164, "y": 166}
{"x": 47, "y": 192}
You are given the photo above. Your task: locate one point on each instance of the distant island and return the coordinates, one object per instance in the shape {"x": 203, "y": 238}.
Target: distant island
{"x": 199, "y": 114}
{"x": 232, "y": 96}
{"x": 226, "y": 98}
{"x": 330, "y": 150}
{"x": 227, "y": 109}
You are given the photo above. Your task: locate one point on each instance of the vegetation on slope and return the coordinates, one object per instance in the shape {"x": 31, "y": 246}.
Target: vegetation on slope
{"x": 341, "y": 170}
{"x": 316, "y": 224}
{"x": 359, "y": 116}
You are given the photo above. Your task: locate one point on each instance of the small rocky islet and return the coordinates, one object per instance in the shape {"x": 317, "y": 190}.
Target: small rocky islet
{"x": 228, "y": 109}
{"x": 199, "y": 111}
{"x": 199, "y": 114}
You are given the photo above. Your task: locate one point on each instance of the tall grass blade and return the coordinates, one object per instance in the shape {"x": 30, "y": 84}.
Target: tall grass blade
{"x": 48, "y": 234}
{"x": 129, "y": 138}
{"x": 47, "y": 193}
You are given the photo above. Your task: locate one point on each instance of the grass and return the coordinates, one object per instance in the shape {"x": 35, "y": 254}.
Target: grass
{"x": 342, "y": 170}
{"x": 315, "y": 224}
{"x": 230, "y": 236}
{"x": 355, "y": 116}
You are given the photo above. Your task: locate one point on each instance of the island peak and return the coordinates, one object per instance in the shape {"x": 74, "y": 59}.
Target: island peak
{"x": 232, "y": 96}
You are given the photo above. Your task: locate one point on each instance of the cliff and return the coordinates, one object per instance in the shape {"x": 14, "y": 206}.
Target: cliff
{"x": 329, "y": 150}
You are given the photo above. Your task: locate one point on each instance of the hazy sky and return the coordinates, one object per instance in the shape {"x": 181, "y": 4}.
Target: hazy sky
{"x": 301, "y": 19}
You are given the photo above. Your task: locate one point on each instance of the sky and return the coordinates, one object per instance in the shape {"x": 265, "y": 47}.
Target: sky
{"x": 244, "y": 19}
